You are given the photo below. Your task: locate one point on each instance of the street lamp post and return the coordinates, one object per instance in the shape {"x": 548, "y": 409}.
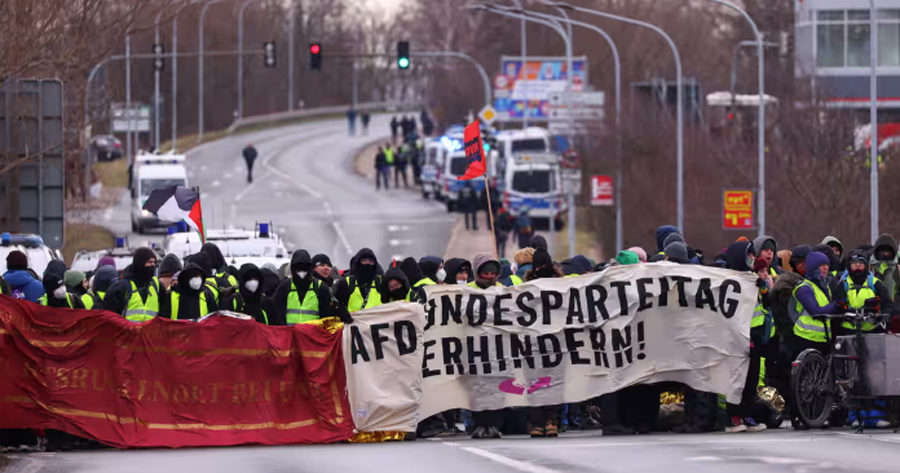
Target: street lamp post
{"x": 200, "y": 69}
{"x": 156, "y": 87}
{"x": 679, "y": 97}
{"x": 240, "y": 64}
{"x": 761, "y": 196}
{"x": 485, "y": 79}
{"x": 873, "y": 119}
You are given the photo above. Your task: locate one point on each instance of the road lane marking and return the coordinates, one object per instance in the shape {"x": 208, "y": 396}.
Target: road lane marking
{"x": 287, "y": 176}
{"x": 215, "y": 184}
{"x": 509, "y": 462}
{"x": 342, "y": 237}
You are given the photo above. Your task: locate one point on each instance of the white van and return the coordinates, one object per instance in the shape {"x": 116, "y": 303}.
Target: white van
{"x": 151, "y": 172}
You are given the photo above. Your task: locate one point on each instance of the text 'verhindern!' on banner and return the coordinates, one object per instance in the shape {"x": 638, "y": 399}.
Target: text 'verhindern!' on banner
{"x": 223, "y": 381}
{"x": 555, "y": 341}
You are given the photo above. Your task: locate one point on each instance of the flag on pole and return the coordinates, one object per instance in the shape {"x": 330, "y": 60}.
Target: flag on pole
{"x": 177, "y": 203}
{"x": 477, "y": 161}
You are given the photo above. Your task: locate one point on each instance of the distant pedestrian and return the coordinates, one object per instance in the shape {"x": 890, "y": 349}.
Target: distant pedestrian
{"x": 250, "y": 155}
{"x": 351, "y": 121}
{"x": 365, "y": 118}
{"x": 523, "y": 227}
{"x": 402, "y": 160}
{"x": 503, "y": 225}
{"x": 468, "y": 198}
{"x": 395, "y": 128}
{"x": 382, "y": 169}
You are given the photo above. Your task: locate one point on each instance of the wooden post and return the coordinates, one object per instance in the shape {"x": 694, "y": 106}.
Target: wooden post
{"x": 487, "y": 191}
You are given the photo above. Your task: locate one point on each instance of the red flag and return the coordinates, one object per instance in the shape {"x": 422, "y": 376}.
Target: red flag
{"x": 474, "y": 152}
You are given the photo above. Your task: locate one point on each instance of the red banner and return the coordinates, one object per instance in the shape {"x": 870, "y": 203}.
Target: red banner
{"x": 165, "y": 383}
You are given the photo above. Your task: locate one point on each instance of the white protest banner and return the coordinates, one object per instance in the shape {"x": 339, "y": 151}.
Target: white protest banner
{"x": 383, "y": 360}
{"x": 556, "y": 341}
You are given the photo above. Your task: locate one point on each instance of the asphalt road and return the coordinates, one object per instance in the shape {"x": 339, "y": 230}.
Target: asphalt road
{"x": 305, "y": 185}
{"x": 782, "y": 451}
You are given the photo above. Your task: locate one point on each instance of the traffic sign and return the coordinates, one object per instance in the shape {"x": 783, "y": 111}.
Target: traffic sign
{"x": 601, "y": 190}
{"x": 563, "y": 113}
{"x": 488, "y": 114}
{"x": 571, "y": 181}
{"x": 737, "y": 211}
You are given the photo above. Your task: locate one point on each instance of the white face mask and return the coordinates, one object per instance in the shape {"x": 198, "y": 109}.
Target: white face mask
{"x": 302, "y": 274}
{"x": 252, "y": 285}
{"x": 195, "y": 283}
{"x": 462, "y": 283}
{"x": 441, "y": 275}
{"x": 60, "y": 292}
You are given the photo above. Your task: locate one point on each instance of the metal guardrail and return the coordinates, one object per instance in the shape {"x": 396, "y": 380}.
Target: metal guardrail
{"x": 274, "y": 118}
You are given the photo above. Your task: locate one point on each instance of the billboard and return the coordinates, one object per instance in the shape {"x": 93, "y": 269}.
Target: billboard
{"x": 737, "y": 210}
{"x": 523, "y": 89}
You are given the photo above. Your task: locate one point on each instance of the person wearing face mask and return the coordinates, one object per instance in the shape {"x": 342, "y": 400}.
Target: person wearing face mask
{"x": 301, "y": 298}
{"x": 56, "y": 294}
{"x": 138, "y": 294}
{"x": 396, "y": 287}
{"x": 863, "y": 291}
{"x": 249, "y": 298}
{"x": 433, "y": 271}
{"x": 190, "y": 298}
{"x": 459, "y": 271}
{"x": 359, "y": 290}
{"x": 884, "y": 263}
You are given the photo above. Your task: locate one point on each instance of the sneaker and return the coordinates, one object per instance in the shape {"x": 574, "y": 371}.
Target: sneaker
{"x": 537, "y": 432}
{"x": 736, "y": 425}
{"x": 753, "y": 426}
{"x": 552, "y": 430}
{"x": 855, "y": 424}
{"x": 882, "y": 424}
{"x": 493, "y": 433}
{"x": 480, "y": 433}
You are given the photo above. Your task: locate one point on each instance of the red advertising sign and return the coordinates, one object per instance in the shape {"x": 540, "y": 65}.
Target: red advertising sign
{"x": 601, "y": 190}
{"x": 737, "y": 210}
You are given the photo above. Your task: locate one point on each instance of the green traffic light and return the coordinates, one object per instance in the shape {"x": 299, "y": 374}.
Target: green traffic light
{"x": 403, "y": 62}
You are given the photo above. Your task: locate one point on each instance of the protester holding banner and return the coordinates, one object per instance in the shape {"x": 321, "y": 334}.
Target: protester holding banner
{"x": 249, "y": 298}
{"x": 190, "y": 299}
{"x": 458, "y": 271}
{"x": 301, "y": 298}
{"x": 543, "y": 419}
{"x": 138, "y": 294}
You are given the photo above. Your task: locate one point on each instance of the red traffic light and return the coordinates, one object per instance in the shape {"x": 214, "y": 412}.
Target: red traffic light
{"x": 314, "y": 48}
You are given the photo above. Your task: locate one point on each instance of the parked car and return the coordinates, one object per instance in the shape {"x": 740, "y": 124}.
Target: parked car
{"x": 106, "y": 147}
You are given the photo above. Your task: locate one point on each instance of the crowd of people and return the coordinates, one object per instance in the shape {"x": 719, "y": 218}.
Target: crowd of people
{"x": 794, "y": 286}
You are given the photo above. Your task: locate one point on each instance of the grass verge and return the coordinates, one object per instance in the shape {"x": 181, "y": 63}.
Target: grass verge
{"x": 586, "y": 243}
{"x": 112, "y": 173}
{"x": 83, "y": 236}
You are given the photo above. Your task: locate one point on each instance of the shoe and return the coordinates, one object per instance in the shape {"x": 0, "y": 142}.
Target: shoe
{"x": 753, "y": 426}
{"x": 737, "y": 425}
{"x": 493, "y": 433}
{"x": 552, "y": 430}
{"x": 537, "y": 432}
{"x": 480, "y": 433}
{"x": 855, "y": 424}
{"x": 431, "y": 431}
{"x": 882, "y": 424}
{"x": 796, "y": 424}
{"x": 589, "y": 423}
{"x": 563, "y": 427}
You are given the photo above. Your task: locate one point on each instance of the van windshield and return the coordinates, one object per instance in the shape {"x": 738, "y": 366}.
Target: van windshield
{"x": 150, "y": 185}
{"x": 533, "y": 145}
{"x": 533, "y": 182}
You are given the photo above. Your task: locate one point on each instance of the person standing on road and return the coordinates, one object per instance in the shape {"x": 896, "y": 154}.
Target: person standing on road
{"x": 523, "y": 227}
{"x": 468, "y": 202}
{"x": 400, "y": 164}
{"x": 382, "y": 169}
{"x": 351, "y": 121}
{"x": 22, "y": 282}
{"x": 57, "y": 295}
{"x": 138, "y": 294}
{"x": 395, "y": 128}
{"x": 301, "y": 298}
{"x": 249, "y": 298}
{"x": 250, "y": 155}
{"x": 503, "y": 225}
{"x": 365, "y": 118}
{"x": 487, "y": 271}
{"x": 191, "y": 298}
{"x": 359, "y": 290}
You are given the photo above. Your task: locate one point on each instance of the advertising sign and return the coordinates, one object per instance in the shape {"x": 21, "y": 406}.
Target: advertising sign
{"x": 601, "y": 190}
{"x": 737, "y": 210}
{"x": 524, "y": 89}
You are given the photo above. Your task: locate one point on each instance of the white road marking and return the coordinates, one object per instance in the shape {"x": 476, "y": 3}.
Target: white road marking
{"x": 342, "y": 237}
{"x": 397, "y": 228}
{"x": 244, "y": 192}
{"x": 287, "y": 176}
{"x": 704, "y": 459}
{"x": 509, "y": 462}
{"x": 227, "y": 175}
{"x": 215, "y": 184}
{"x": 328, "y": 210}
{"x": 399, "y": 242}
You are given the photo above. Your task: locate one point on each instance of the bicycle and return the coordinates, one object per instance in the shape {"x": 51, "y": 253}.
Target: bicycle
{"x": 862, "y": 368}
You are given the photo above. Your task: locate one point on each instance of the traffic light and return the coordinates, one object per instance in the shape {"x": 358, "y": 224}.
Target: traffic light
{"x": 159, "y": 62}
{"x": 269, "y": 55}
{"x": 315, "y": 57}
{"x": 403, "y": 54}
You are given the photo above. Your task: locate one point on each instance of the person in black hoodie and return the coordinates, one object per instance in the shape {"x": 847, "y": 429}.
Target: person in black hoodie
{"x": 300, "y": 282}
{"x": 395, "y": 287}
{"x": 270, "y": 279}
{"x": 432, "y": 268}
{"x": 459, "y": 271}
{"x": 190, "y": 299}
{"x": 137, "y": 282}
{"x": 354, "y": 292}
{"x": 414, "y": 276}
{"x": 249, "y": 298}
{"x": 57, "y": 295}
{"x": 224, "y": 280}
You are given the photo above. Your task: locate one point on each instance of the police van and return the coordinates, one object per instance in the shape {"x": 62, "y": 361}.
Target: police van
{"x": 148, "y": 173}
{"x": 238, "y": 246}
{"x": 122, "y": 254}
{"x": 533, "y": 181}
{"x": 436, "y": 151}
{"x": 39, "y": 255}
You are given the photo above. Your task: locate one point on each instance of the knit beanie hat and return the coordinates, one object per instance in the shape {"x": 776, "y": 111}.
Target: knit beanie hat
{"x": 760, "y": 264}
{"x": 524, "y": 256}
{"x": 73, "y": 278}
{"x": 639, "y": 252}
{"x": 627, "y": 257}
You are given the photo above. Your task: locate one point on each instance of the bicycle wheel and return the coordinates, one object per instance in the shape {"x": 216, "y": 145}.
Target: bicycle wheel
{"x": 811, "y": 386}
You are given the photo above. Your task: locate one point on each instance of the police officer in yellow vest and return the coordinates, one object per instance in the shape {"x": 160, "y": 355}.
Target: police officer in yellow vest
{"x": 189, "y": 298}
{"x": 811, "y": 297}
{"x": 249, "y": 298}
{"x": 301, "y": 298}
{"x": 863, "y": 290}
{"x": 359, "y": 290}
{"x": 138, "y": 294}
{"x": 56, "y": 295}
